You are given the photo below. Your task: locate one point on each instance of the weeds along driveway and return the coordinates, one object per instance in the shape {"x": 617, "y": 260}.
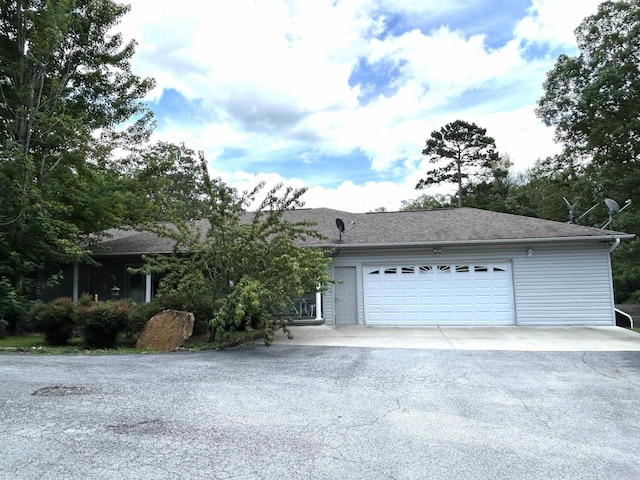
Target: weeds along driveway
{"x": 321, "y": 412}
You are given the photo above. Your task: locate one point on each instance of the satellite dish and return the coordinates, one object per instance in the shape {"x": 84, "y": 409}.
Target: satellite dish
{"x": 614, "y": 209}
{"x": 612, "y": 205}
{"x": 340, "y": 225}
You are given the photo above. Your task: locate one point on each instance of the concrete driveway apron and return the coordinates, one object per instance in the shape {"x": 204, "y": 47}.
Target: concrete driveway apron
{"x": 550, "y": 339}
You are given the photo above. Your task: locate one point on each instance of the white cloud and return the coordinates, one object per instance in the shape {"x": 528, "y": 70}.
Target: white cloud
{"x": 275, "y": 76}
{"x": 361, "y": 198}
{"x": 520, "y": 135}
{"x": 553, "y": 21}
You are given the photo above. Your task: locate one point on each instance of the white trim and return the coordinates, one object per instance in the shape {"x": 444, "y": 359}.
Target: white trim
{"x": 318, "y": 305}
{"x": 147, "y": 288}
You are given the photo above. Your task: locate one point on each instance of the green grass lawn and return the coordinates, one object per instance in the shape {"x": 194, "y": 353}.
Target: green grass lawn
{"x": 35, "y": 343}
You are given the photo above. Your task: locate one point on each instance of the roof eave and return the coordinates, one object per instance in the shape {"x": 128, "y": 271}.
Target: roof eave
{"x": 497, "y": 241}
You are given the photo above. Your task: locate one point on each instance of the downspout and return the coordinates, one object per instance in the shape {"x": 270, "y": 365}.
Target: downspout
{"x": 615, "y": 244}
{"x": 612, "y": 247}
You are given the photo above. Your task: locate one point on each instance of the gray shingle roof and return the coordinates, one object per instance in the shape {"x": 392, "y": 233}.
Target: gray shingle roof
{"x": 422, "y": 227}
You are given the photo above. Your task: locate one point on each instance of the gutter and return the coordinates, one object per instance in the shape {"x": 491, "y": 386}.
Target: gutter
{"x": 499, "y": 241}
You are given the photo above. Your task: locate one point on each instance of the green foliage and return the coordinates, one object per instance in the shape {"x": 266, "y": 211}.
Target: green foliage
{"x": 593, "y": 99}
{"x": 466, "y": 150}
{"x": 168, "y": 182}
{"x": 101, "y": 323}
{"x": 10, "y": 308}
{"x": 626, "y": 272}
{"x": 66, "y": 89}
{"x": 493, "y": 188}
{"x": 243, "y": 309}
{"x": 246, "y": 267}
{"x": 428, "y": 202}
{"x": 141, "y": 313}
{"x": 56, "y": 319}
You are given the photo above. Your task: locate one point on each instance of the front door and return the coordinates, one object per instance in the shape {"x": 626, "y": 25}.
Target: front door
{"x": 345, "y": 298}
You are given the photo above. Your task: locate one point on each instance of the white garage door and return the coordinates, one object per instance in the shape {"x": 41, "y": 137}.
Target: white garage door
{"x": 439, "y": 294}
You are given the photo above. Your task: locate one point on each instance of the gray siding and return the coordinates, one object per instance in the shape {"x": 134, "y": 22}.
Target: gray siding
{"x": 557, "y": 285}
{"x": 564, "y": 285}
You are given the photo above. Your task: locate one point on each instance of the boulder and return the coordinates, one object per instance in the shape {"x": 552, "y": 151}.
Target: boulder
{"x": 166, "y": 331}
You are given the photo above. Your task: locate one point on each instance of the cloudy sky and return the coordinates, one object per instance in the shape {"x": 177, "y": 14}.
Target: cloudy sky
{"x": 341, "y": 95}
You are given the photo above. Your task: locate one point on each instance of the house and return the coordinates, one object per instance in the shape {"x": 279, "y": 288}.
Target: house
{"x": 459, "y": 266}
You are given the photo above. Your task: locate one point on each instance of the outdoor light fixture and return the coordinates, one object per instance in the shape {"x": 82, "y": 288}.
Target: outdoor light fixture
{"x": 115, "y": 290}
{"x": 437, "y": 251}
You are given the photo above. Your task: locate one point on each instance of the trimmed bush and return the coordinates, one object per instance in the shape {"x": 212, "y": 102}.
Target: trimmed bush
{"x": 101, "y": 323}
{"x": 55, "y": 319}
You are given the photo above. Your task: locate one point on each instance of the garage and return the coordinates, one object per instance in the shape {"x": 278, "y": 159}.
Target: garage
{"x": 439, "y": 294}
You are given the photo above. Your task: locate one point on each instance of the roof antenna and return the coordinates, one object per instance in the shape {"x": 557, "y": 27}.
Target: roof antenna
{"x": 572, "y": 211}
{"x": 614, "y": 209}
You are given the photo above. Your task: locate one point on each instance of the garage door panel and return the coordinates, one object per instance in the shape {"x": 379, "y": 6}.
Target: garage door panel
{"x": 439, "y": 294}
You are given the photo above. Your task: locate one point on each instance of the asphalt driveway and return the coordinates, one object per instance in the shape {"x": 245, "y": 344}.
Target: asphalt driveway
{"x": 314, "y": 412}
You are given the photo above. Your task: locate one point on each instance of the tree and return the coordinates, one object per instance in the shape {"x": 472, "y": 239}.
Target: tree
{"x": 467, "y": 150}
{"x": 168, "y": 182}
{"x": 593, "y": 99}
{"x": 246, "y": 268}
{"x": 427, "y": 202}
{"x": 493, "y": 187}
{"x": 593, "y": 102}
{"x": 66, "y": 89}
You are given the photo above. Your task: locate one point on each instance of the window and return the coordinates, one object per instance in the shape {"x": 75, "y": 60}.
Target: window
{"x": 426, "y": 268}
{"x": 408, "y": 270}
{"x": 480, "y": 268}
{"x": 444, "y": 268}
{"x": 462, "y": 268}
{"x": 390, "y": 270}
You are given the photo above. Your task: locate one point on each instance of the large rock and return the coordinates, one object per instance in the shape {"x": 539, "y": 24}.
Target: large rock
{"x": 166, "y": 331}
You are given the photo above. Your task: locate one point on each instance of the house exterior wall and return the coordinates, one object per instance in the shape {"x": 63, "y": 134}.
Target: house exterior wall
{"x": 557, "y": 284}
{"x": 564, "y": 285}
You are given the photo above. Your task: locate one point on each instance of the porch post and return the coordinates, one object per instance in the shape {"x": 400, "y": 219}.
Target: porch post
{"x": 147, "y": 288}
{"x": 318, "y": 305}
{"x": 75, "y": 281}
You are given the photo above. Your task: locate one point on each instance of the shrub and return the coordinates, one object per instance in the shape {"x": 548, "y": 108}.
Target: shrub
{"x": 142, "y": 312}
{"x": 101, "y": 323}
{"x": 55, "y": 319}
{"x": 13, "y": 312}
{"x": 241, "y": 310}
{"x": 3, "y": 328}
{"x": 140, "y": 315}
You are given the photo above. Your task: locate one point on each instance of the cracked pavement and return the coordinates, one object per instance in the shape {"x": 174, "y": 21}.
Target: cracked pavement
{"x": 312, "y": 412}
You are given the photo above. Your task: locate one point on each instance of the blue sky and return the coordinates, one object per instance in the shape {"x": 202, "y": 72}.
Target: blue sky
{"x": 340, "y": 96}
